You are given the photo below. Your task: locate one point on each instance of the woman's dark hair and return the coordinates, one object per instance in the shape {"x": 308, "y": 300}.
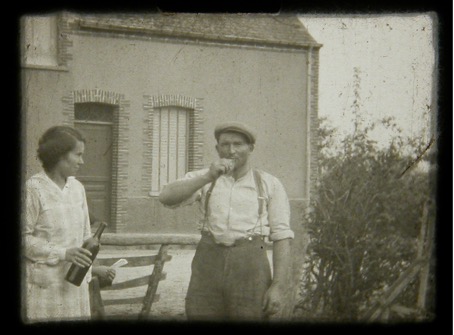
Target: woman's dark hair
{"x": 56, "y": 142}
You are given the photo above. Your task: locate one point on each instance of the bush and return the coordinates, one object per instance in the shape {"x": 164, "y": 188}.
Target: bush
{"x": 364, "y": 224}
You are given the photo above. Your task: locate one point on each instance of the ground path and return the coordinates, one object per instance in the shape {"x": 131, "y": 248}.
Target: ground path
{"x": 172, "y": 290}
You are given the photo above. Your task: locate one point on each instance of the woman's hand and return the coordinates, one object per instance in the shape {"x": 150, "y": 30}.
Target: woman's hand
{"x": 104, "y": 272}
{"x": 78, "y": 256}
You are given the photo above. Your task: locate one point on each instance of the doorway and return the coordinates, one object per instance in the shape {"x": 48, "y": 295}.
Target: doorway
{"x": 95, "y": 121}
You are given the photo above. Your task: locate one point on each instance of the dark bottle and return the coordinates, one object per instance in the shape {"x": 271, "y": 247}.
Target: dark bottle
{"x": 76, "y": 273}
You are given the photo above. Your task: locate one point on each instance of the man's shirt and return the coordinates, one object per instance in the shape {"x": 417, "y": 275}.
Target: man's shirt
{"x": 233, "y": 208}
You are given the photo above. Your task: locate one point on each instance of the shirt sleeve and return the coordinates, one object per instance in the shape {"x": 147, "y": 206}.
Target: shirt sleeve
{"x": 36, "y": 248}
{"x": 87, "y": 229}
{"x": 196, "y": 196}
{"x": 279, "y": 213}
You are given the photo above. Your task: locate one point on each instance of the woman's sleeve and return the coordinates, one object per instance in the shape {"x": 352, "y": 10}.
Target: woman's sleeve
{"x": 86, "y": 219}
{"x": 38, "y": 249}
{"x": 87, "y": 229}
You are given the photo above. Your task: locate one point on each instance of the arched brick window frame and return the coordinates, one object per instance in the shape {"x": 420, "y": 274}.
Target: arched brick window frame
{"x": 195, "y": 136}
{"x": 120, "y": 146}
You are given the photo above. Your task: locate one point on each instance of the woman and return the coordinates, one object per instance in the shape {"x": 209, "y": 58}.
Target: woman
{"x": 56, "y": 224}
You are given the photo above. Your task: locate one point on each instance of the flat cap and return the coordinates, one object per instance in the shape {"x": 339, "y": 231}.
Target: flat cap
{"x": 236, "y": 127}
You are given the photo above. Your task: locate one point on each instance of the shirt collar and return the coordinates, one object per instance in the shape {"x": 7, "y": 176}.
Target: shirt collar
{"x": 43, "y": 175}
{"x": 248, "y": 177}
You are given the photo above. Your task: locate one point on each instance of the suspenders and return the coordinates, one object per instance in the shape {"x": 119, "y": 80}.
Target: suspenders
{"x": 259, "y": 187}
{"x": 207, "y": 199}
{"x": 260, "y": 196}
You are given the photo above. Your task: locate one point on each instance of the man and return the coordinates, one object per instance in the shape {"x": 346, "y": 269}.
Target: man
{"x": 240, "y": 207}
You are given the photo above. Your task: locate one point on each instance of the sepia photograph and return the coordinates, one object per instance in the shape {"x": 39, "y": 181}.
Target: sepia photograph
{"x": 229, "y": 167}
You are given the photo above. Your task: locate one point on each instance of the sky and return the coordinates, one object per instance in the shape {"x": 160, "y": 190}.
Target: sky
{"x": 395, "y": 56}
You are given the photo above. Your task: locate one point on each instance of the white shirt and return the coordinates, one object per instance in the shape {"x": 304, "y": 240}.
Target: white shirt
{"x": 233, "y": 207}
{"x": 55, "y": 220}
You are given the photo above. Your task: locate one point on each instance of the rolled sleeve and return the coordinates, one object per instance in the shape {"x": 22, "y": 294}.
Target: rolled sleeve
{"x": 279, "y": 213}
{"x": 282, "y": 235}
{"x": 56, "y": 255}
{"x": 61, "y": 254}
{"x": 195, "y": 196}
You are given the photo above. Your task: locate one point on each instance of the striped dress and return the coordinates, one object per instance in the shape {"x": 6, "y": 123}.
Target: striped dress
{"x": 55, "y": 219}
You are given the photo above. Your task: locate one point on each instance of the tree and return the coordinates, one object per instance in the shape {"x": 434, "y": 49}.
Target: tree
{"x": 364, "y": 223}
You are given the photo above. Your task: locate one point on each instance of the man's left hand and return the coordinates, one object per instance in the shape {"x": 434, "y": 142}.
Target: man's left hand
{"x": 272, "y": 302}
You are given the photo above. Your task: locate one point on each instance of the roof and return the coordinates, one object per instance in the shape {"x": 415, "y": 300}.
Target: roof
{"x": 266, "y": 29}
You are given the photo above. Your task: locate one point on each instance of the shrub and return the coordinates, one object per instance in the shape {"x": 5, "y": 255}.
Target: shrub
{"x": 364, "y": 224}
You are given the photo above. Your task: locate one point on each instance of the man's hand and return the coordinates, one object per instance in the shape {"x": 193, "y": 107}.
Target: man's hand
{"x": 272, "y": 302}
{"x": 221, "y": 166}
{"x": 78, "y": 256}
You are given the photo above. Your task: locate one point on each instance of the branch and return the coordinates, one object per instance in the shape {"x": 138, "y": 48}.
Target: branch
{"x": 416, "y": 161}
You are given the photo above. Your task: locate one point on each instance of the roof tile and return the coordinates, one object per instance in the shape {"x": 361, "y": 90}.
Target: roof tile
{"x": 282, "y": 29}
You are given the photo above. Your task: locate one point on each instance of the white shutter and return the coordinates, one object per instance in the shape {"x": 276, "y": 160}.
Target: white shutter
{"x": 164, "y": 148}
{"x": 155, "y": 152}
{"x": 170, "y": 146}
{"x": 172, "y": 153}
{"x": 182, "y": 144}
{"x": 40, "y": 40}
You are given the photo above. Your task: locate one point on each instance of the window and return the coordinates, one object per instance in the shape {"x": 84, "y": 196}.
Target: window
{"x": 39, "y": 41}
{"x": 170, "y": 131}
{"x": 93, "y": 112}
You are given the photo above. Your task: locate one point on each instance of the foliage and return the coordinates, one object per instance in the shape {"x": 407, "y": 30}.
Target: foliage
{"x": 364, "y": 223}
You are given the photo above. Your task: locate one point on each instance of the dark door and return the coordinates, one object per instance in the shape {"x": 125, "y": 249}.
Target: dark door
{"x": 94, "y": 121}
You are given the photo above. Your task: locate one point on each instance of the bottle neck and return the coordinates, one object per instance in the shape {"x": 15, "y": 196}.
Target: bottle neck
{"x": 100, "y": 229}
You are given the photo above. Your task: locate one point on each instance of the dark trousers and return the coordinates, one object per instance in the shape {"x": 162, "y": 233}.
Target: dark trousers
{"x": 228, "y": 283}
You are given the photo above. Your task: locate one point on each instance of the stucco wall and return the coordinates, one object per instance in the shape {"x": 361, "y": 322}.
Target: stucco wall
{"x": 42, "y": 92}
{"x": 265, "y": 88}
{"x": 142, "y": 213}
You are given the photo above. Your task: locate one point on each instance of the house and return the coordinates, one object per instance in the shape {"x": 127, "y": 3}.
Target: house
{"x": 147, "y": 91}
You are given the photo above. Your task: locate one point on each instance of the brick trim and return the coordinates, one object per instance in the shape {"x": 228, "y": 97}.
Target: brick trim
{"x": 120, "y": 159}
{"x": 63, "y": 41}
{"x": 196, "y": 132}
{"x": 314, "y": 123}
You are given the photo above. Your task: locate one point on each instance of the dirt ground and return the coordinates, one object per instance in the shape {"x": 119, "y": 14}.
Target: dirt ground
{"x": 172, "y": 290}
